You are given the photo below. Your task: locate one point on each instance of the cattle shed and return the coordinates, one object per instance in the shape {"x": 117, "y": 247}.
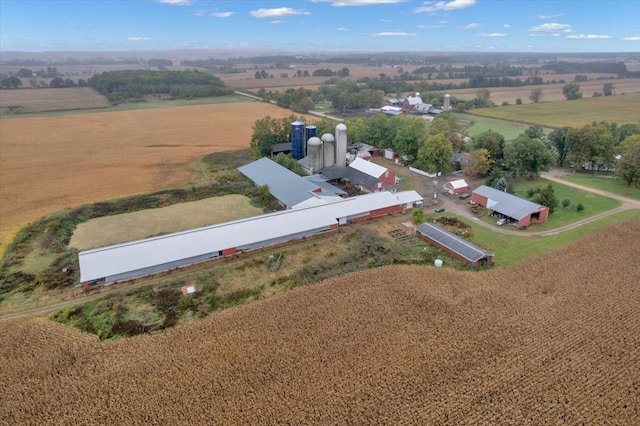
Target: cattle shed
{"x": 134, "y": 259}
{"x": 523, "y": 212}
{"x": 457, "y": 247}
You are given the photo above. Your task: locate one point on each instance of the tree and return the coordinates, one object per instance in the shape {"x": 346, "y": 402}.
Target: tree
{"x": 558, "y": 139}
{"x": 435, "y": 154}
{"x": 12, "y": 82}
{"x": 479, "y": 164}
{"x": 566, "y": 203}
{"x": 534, "y": 132}
{"x": 491, "y": 141}
{"x": 528, "y": 156}
{"x": 592, "y": 144}
{"x": 536, "y": 95}
{"x": 410, "y": 137}
{"x": 482, "y": 97}
{"x": 24, "y": 73}
{"x": 571, "y": 91}
{"x": 501, "y": 184}
{"x": 607, "y": 89}
{"x": 628, "y": 166}
{"x": 546, "y": 196}
{"x": 269, "y": 131}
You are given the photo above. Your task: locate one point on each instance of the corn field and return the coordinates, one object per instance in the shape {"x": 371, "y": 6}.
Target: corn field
{"x": 552, "y": 340}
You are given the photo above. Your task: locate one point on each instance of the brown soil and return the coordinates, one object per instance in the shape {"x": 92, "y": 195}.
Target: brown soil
{"x": 552, "y": 340}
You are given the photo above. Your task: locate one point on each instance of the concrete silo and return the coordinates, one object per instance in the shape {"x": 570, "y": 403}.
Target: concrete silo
{"x": 297, "y": 140}
{"x": 329, "y": 148}
{"x": 447, "y": 102}
{"x": 341, "y": 145}
{"x": 314, "y": 145}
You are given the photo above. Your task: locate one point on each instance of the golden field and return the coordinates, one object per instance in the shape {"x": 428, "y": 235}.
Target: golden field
{"x": 551, "y": 340}
{"x": 51, "y": 163}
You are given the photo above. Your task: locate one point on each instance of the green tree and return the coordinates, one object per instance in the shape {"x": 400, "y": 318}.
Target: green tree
{"x": 435, "y": 154}
{"x": 628, "y": 166}
{"x": 558, "y": 139}
{"x": 536, "y": 95}
{"x": 482, "y": 97}
{"x": 571, "y": 91}
{"x": 528, "y": 156}
{"x": 607, "y": 89}
{"x": 12, "y": 82}
{"x": 592, "y": 144}
{"x": 410, "y": 137}
{"x": 269, "y": 131}
{"x": 566, "y": 203}
{"x": 491, "y": 141}
{"x": 546, "y": 196}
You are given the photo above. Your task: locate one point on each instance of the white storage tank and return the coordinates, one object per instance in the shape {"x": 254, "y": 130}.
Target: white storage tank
{"x": 329, "y": 148}
{"x": 341, "y": 145}
{"x": 314, "y": 145}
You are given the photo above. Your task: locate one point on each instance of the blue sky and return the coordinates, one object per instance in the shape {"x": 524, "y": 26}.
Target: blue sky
{"x": 321, "y": 25}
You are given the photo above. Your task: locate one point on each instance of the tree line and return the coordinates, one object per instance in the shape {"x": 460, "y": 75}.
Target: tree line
{"x": 120, "y": 86}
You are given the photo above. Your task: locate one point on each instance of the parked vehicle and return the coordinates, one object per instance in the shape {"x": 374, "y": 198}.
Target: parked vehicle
{"x": 501, "y": 222}
{"x": 440, "y": 210}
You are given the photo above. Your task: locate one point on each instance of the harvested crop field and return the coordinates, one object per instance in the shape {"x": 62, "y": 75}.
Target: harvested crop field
{"x": 50, "y": 163}
{"x": 41, "y": 100}
{"x": 121, "y": 228}
{"x": 552, "y": 340}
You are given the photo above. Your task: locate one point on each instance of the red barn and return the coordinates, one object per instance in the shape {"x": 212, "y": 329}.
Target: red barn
{"x": 516, "y": 209}
{"x": 457, "y": 187}
{"x": 371, "y": 177}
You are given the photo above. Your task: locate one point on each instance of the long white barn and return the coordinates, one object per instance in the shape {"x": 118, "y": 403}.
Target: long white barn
{"x": 126, "y": 261}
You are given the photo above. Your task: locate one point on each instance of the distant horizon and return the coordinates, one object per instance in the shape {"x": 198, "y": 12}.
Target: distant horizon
{"x": 321, "y": 26}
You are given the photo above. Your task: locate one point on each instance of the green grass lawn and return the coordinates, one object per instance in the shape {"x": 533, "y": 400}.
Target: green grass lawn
{"x": 509, "y": 129}
{"x": 604, "y": 182}
{"x": 622, "y": 109}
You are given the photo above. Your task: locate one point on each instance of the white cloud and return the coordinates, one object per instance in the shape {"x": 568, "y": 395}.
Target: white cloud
{"x": 492, "y": 35}
{"x": 588, "y": 37}
{"x": 345, "y": 3}
{"x": 199, "y": 13}
{"x": 443, "y": 5}
{"x": 342, "y": 29}
{"x": 393, "y": 34}
{"x": 277, "y": 12}
{"x": 632, "y": 38}
{"x": 139, "y": 38}
{"x": 551, "y": 27}
{"x": 507, "y": 25}
{"x": 276, "y": 22}
{"x": 221, "y": 14}
{"x": 470, "y": 26}
{"x": 557, "y": 15}
{"x": 177, "y": 2}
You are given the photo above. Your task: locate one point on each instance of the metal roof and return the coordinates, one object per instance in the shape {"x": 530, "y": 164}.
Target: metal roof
{"x": 508, "y": 204}
{"x": 137, "y": 255}
{"x": 453, "y": 242}
{"x": 372, "y": 169}
{"x": 286, "y": 186}
{"x": 457, "y": 184}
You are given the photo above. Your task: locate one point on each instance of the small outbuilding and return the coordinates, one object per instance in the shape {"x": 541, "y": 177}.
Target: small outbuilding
{"x": 456, "y": 187}
{"x": 456, "y": 246}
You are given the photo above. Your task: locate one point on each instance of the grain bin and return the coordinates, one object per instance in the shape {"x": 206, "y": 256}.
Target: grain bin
{"x": 314, "y": 145}
{"x": 329, "y": 144}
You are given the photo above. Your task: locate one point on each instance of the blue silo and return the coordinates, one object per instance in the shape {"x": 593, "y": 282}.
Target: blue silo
{"x": 309, "y": 132}
{"x": 297, "y": 140}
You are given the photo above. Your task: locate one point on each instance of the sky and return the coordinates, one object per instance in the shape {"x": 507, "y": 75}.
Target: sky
{"x": 321, "y": 25}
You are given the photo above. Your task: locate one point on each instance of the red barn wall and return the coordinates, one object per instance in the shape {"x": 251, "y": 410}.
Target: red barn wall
{"x": 479, "y": 199}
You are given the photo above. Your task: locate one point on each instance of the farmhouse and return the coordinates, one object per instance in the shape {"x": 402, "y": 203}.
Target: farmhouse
{"x": 456, "y": 187}
{"x": 410, "y": 102}
{"x": 126, "y": 261}
{"x": 392, "y": 110}
{"x": 519, "y": 210}
{"x": 458, "y": 247}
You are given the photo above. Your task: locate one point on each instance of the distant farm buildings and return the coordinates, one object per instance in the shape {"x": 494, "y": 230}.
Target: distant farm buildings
{"x": 518, "y": 210}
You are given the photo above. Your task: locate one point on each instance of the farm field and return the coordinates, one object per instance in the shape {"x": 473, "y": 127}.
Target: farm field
{"x": 41, "y": 100}
{"x": 121, "y": 228}
{"x": 551, "y": 92}
{"x": 621, "y": 109}
{"x": 551, "y": 340}
{"x": 51, "y": 163}
{"x": 604, "y": 182}
{"x": 509, "y": 129}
